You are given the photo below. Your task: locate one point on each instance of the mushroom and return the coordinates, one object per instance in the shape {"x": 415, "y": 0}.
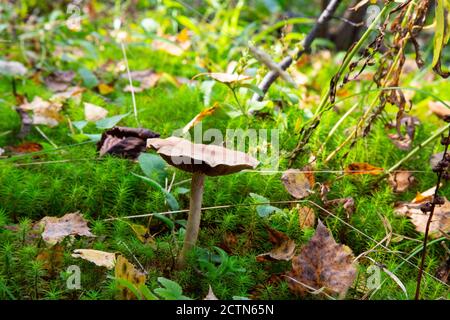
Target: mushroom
{"x": 12, "y": 69}
{"x": 202, "y": 160}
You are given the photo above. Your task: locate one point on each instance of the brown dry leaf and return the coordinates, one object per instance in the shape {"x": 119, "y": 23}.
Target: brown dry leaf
{"x": 225, "y": 77}
{"x": 363, "y": 168}
{"x": 51, "y": 258}
{"x": 424, "y": 196}
{"x": 26, "y": 147}
{"x": 299, "y": 183}
{"x": 147, "y": 79}
{"x": 74, "y": 93}
{"x": 284, "y": 248}
{"x": 441, "y": 217}
{"x": 59, "y": 80}
{"x": 127, "y": 271}
{"x": 400, "y": 140}
{"x": 403, "y": 143}
{"x": 105, "y": 89}
{"x": 210, "y": 295}
{"x": 124, "y": 142}
{"x": 100, "y": 258}
{"x": 401, "y": 181}
{"x": 212, "y": 160}
{"x": 71, "y": 224}
{"x": 306, "y": 217}
{"x": 199, "y": 117}
{"x": 322, "y": 264}
{"x": 347, "y": 203}
{"x": 439, "y": 224}
{"x": 436, "y": 158}
{"x": 94, "y": 113}
{"x": 44, "y": 112}
{"x": 439, "y": 109}
{"x": 174, "y": 45}
{"x": 443, "y": 272}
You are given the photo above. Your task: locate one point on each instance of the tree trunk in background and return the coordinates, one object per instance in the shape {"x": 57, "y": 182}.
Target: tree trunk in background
{"x": 344, "y": 34}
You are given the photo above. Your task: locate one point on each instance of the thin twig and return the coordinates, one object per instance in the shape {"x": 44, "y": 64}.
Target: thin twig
{"x": 430, "y": 218}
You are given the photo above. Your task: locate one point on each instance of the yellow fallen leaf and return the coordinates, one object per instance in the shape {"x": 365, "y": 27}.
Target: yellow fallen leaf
{"x": 200, "y": 117}
{"x": 363, "y": 168}
{"x": 105, "y": 89}
{"x": 127, "y": 271}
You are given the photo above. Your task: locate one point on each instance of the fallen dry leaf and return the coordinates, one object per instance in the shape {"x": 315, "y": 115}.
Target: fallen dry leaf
{"x": 105, "y": 89}
{"x": 94, "y": 113}
{"x": 51, "y": 258}
{"x": 210, "y": 295}
{"x": 400, "y": 181}
{"x": 299, "y": 183}
{"x": 26, "y": 147}
{"x": 142, "y": 233}
{"x": 74, "y": 93}
{"x": 174, "y": 45}
{"x": 347, "y": 203}
{"x": 306, "y": 217}
{"x": 442, "y": 273}
{"x": 44, "y": 112}
{"x": 284, "y": 248}
{"x": 436, "y": 158}
{"x": 439, "y": 224}
{"x": 439, "y": 109}
{"x": 363, "y": 168}
{"x": 322, "y": 264}
{"x": 127, "y": 271}
{"x": 125, "y": 142}
{"x": 100, "y": 258}
{"x": 199, "y": 117}
{"x": 441, "y": 217}
{"x": 59, "y": 80}
{"x": 404, "y": 141}
{"x": 424, "y": 196}
{"x": 71, "y": 224}
{"x": 147, "y": 79}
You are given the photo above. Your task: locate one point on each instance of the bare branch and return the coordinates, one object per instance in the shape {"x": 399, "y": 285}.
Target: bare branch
{"x": 271, "y": 76}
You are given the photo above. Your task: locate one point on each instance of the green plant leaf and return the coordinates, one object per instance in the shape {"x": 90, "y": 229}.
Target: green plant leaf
{"x": 264, "y": 210}
{"x": 165, "y": 219}
{"x": 88, "y": 77}
{"x": 171, "y": 290}
{"x": 110, "y": 122}
{"x": 153, "y": 166}
{"x": 171, "y": 201}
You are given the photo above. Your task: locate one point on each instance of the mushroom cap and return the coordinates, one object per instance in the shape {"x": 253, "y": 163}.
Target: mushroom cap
{"x": 12, "y": 68}
{"x": 211, "y": 160}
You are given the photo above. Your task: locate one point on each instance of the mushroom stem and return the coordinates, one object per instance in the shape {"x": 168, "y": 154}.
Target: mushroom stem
{"x": 195, "y": 212}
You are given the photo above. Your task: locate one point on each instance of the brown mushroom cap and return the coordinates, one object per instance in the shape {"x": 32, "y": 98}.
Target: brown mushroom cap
{"x": 211, "y": 160}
